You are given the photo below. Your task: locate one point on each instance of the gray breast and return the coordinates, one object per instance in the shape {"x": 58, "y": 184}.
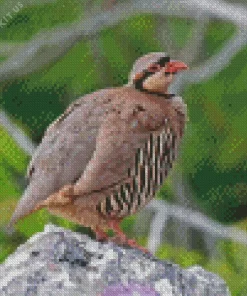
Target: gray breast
{"x": 152, "y": 165}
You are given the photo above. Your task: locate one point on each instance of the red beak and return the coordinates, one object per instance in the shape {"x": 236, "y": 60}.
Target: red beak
{"x": 175, "y": 66}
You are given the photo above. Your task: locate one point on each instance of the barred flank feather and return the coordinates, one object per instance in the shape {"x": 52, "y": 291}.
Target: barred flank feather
{"x": 152, "y": 164}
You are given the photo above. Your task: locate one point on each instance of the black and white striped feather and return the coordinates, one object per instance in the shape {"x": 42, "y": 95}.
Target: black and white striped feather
{"x": 152, "y": 165}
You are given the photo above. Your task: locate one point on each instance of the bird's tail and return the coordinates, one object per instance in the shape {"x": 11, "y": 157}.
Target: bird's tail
{"x": 9, "y": 228}
{"x": 28, "y": 204}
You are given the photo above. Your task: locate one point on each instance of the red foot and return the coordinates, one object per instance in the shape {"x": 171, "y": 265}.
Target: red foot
{"x": 122, "y": 239}
{"x": 101, "y": 235}
{"x": 132, "y": 243}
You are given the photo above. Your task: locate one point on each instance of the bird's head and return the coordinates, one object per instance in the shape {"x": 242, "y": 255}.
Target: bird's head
{"x": 154, "y": 72}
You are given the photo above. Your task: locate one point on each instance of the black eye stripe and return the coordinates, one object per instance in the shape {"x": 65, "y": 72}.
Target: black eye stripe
{"x": 162, "y": 61}
{"x": 139, "y": 82}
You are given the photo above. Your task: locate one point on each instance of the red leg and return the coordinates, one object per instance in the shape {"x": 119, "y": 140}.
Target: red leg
{"x": 115, "y": 226}
{"x": 121, "y": 238}
{"x": 101, "y": 235}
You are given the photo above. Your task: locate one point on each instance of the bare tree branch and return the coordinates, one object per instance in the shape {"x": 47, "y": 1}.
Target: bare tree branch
{"x": 155, "y": 233}
{"x": 193, "y": 219}
{"x": 182, "y": 192}
{"x": 191, "y": 51}
{"x": 9, "y": 48}
{"x": 213, "y": 65}
{"x": 164, "y": 34}
{"x": 235, "y": 13}
{"x": 48, "y": 47}
{"x": 17, "y": 133}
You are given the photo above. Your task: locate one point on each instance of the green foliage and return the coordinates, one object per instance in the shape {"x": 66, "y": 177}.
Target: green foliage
{"x": 32, "y": 19}
{"x": 181, "y": 30}
{"x": 128, "y": 223}
{"x": 9, "y": 244}
{"x": 141, "y": 240}
{"x": 217, "y": 33}
{"x": 216, "y": 140}
{"x": 231, "y": 266}
{"x": 166, "y": 191}
{"x": 13, "y": 162}
{"x": 33, "y": 223}
{"x": 139, "y": 29}
{"x": 180, "y": 256}
{"x": 36, "y": 108}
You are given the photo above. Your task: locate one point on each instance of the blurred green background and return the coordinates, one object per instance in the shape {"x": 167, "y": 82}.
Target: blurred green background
{"x": 213, "y": 156}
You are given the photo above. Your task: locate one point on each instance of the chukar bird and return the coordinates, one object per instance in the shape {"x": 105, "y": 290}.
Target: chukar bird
{"x": 109, "y": 152}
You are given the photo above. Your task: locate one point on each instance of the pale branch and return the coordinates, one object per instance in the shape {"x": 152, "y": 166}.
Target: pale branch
{"x": 220, "y": 60}
{"x": 48, "y": 47}
{"x": 9, "y": 8}
{"x": 17, "y": 133}
{"x": 210, "y": 242}
{"x": 195, "y": 220}
{"x": 191, "y": 52}
{"x": 99, "y": 58}
{"x": 183, "y": 195}
{"x": 235, "y": 13}
{"x": 9, "y": 48}
{"x": 155, "y": 233}
{"x": 164, "y": 34}
{"x": 213, "y": 65}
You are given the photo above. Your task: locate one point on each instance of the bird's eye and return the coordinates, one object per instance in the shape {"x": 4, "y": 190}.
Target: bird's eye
{"x": 153, "y": 68}
{"x": 170, "y": 73}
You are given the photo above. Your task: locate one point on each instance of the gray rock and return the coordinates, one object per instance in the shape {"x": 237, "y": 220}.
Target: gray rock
{"x": 61, "y": 262}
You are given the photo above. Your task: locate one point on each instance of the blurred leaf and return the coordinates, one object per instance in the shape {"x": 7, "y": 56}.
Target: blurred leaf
{"x": 13, "y": 162}
{"x": 180, "y": 256}
{"x": 36, "y": 108}
{"x": 30, "y": 20}
{"x": 217, "y": 33}
{"x": 128, "y": 223}
{"x": 7, "y": 207}
{"x": 181, "y": 29}
{"x": 33, "y": 223}
{"x": 233, "y": 150}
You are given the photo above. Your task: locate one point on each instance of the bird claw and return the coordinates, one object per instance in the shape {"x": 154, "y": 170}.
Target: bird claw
{"x": 123, "y": 241}
{"x": 101, "y": 236}
{"x": 133, "y": 244}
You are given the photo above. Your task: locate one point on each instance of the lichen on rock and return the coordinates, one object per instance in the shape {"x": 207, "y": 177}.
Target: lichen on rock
{"x": 61, "y": 262}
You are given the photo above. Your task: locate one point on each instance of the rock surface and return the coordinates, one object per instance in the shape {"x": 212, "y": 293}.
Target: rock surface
{"x": 61, "y": 262}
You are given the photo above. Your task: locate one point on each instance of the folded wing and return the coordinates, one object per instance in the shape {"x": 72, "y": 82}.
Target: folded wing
{"x": 65, "y": 150}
